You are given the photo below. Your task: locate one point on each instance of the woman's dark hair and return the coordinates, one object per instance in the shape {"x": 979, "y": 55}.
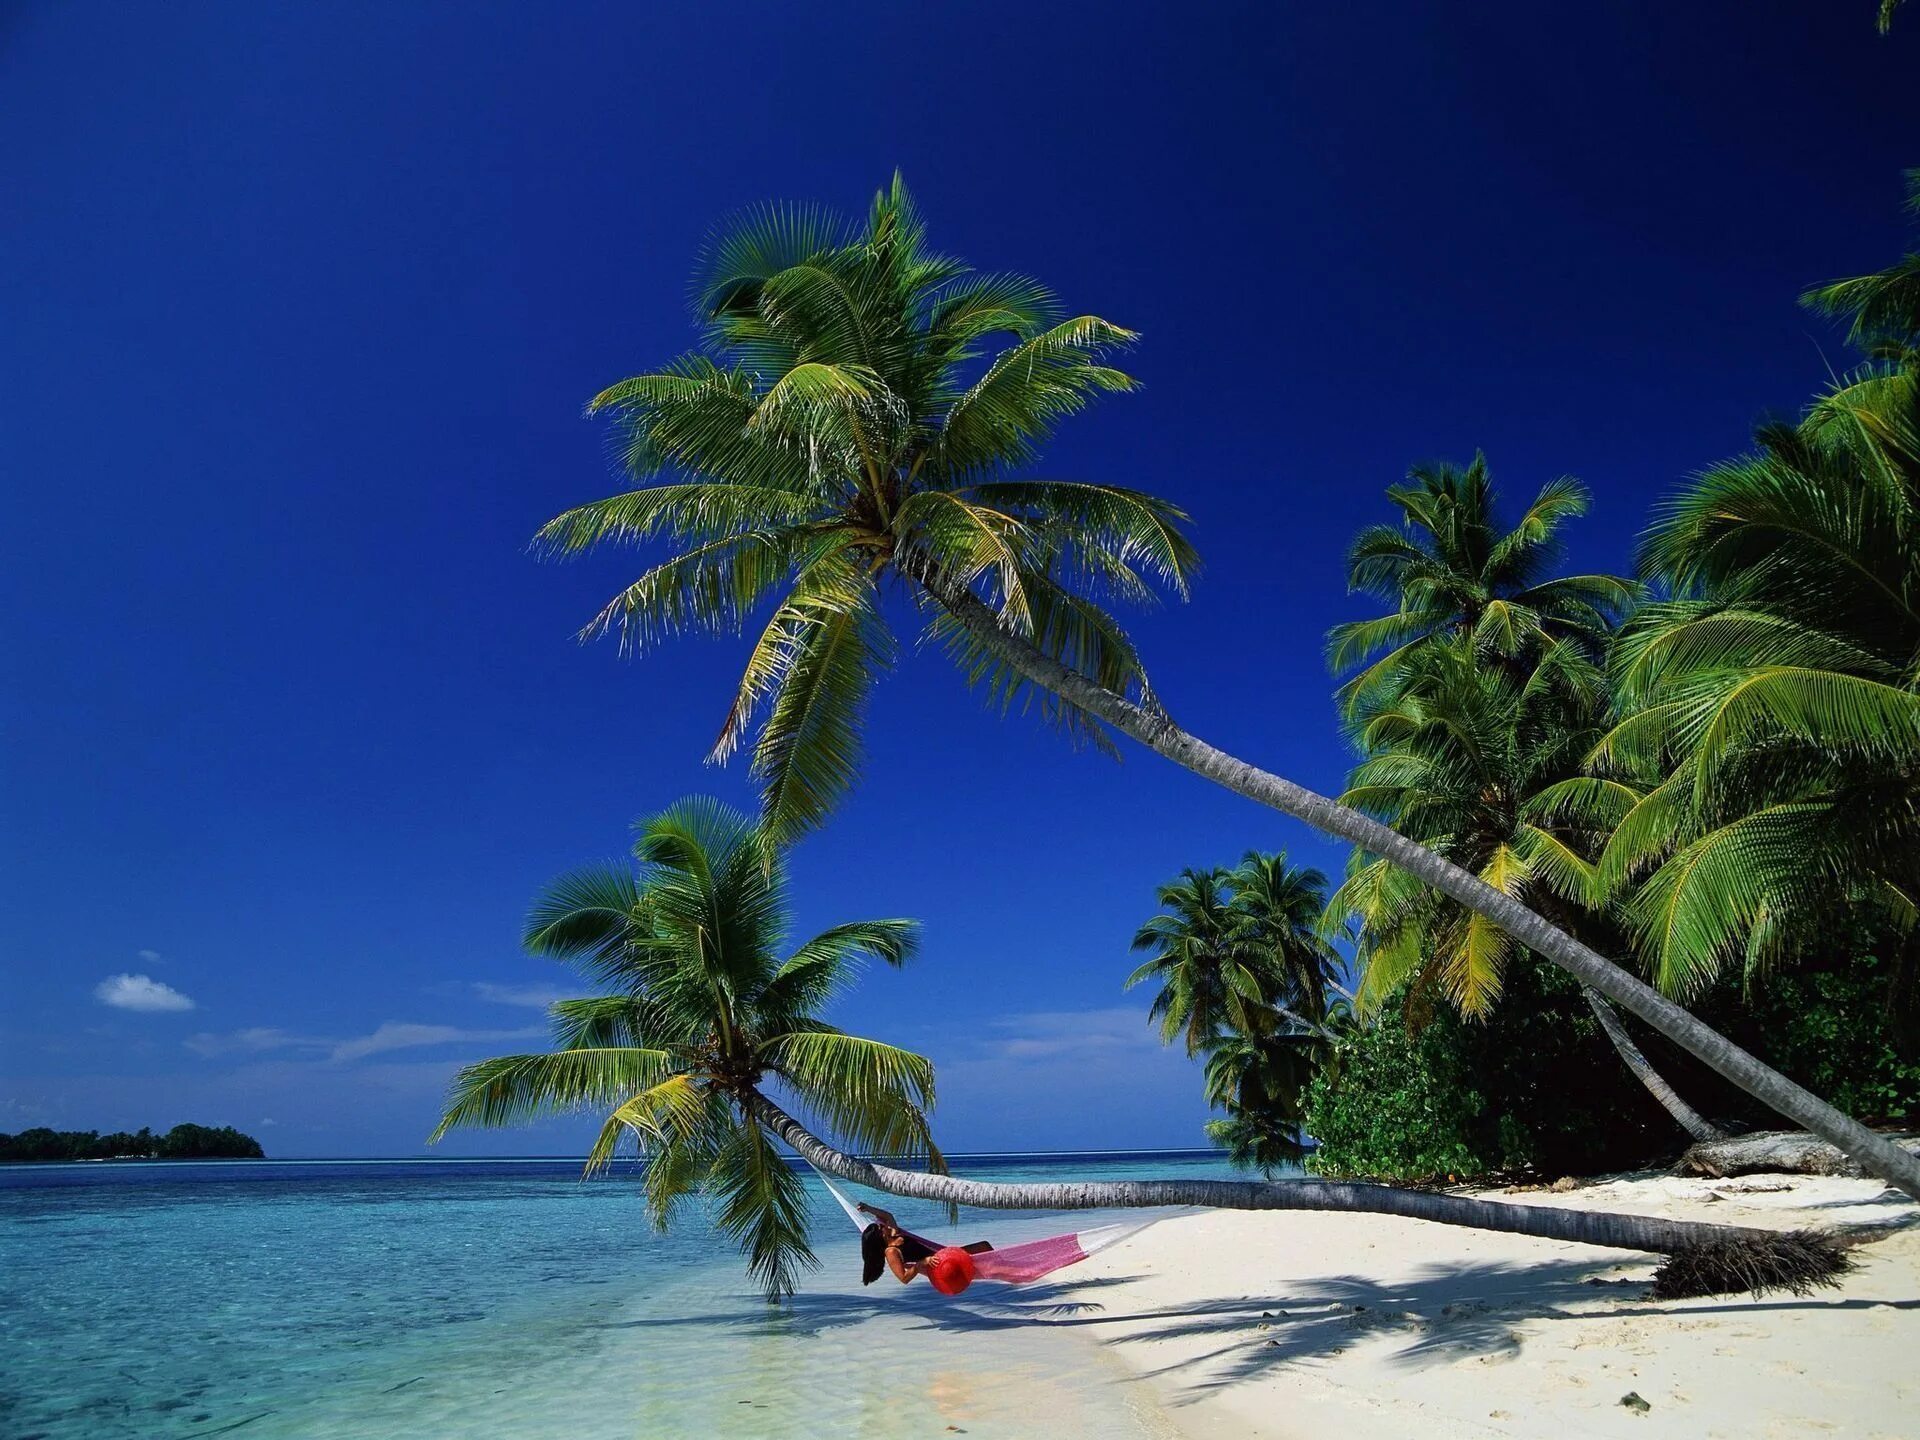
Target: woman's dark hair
{"x": 873, "y": 1252}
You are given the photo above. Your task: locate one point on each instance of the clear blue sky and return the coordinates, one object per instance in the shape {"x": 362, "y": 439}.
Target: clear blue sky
{"x": 298, "y": 308}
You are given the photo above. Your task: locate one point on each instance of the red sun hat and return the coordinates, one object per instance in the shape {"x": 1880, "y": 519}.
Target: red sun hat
{"x": 950, "y": 1270}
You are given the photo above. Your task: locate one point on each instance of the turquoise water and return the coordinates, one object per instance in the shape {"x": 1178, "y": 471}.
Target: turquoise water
{"x": 506, "y": 1299}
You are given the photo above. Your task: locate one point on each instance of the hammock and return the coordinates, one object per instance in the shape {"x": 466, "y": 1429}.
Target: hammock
{"x": 1021, "y": 1264}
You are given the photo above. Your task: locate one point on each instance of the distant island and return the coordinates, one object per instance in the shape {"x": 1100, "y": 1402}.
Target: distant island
{"x": 182, "y": 1142}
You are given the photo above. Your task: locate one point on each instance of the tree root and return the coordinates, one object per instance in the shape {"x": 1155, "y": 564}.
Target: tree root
{"x": 1796, "y": 1261}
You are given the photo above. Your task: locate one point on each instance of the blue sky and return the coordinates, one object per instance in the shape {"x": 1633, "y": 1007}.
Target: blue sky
{"x": 301, "y": 305}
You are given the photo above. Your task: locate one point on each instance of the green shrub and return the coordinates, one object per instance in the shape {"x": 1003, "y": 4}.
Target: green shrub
{"x": 1425, "y": 1097}
{"x": 1402, "y": 1107}
{"x": 1831, "y": 1030}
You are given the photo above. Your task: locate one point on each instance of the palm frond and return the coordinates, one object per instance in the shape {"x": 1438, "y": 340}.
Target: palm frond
{"x": 513, "y": 1089}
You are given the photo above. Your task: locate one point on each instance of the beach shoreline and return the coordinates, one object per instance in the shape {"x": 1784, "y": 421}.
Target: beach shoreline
{"x": 1284, "y": 1325}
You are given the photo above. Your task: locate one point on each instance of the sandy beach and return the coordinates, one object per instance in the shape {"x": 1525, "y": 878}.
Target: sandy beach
{"x": 1289, "y": 1325}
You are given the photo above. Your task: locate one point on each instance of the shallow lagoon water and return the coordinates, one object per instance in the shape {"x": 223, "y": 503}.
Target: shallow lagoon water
{"x": 507, "y": 1299}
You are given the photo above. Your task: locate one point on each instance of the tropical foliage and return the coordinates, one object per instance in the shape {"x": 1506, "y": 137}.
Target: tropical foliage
{"x": 1450, "y": 571}
{"x": 702, "y": 1009}
{"x": 849, "y": 424}
{"x": 1771, "y": 732}
{"x": 1244, "y": 978}
{"x": 1723, "y": 785}
{"x": 1418, "y": 1093}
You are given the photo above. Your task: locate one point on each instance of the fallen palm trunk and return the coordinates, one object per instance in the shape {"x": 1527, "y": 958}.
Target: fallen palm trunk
{"x": 1704, "y": 1259}
{"x": 1793, "y": 1152}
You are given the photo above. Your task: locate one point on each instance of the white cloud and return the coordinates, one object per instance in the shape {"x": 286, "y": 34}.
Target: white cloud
{"x": 152, "y": 957}
{"x": 139, "y": 992}
{"x": 393, "y": 1035}
{"x": 1064, "y": 1034}
{"x": 536, "y": 997}
{"x": 253, "y": 1041}
{"x": 397, "y": 1036}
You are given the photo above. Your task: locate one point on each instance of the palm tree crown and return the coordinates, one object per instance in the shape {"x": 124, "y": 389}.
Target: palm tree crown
{"x": 1244, "y": 977}
{"x": 703, "y": 1012}
{"x": 1228, "y": 946}
{"x": 1772, "y": 725}
{"x": 853, "y": 416}
{"x": 1449, "y": 570}
{"x": 1477, "y": 763}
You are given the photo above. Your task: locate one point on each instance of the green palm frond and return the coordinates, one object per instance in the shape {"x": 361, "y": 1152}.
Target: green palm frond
{"x": 587, "y": 918}
{"x": 1002, "y": 418}
{"x": 763, "y": 1206}
{"x": 514, "y": 1089}
{"x": 831, "y": 960}
{"x": 808, "y": 753}
{"x": 876, "y": 1096}
{"x": 1693, "y": 913}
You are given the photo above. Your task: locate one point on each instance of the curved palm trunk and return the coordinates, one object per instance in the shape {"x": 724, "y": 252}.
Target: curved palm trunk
{"x": 1550, "y": 1222}
{"x": 1875, "y": 1155}
{"x": 1688, "y": 1118}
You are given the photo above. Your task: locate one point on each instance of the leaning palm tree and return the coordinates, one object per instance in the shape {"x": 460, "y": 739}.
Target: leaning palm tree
{"x": 703, "y": 1022}
{"x": 702, "y": 1012}
{"x": 843, "y": 433}
{"x": 1449, "y": 570}
{"x": 1702, "y": 1259}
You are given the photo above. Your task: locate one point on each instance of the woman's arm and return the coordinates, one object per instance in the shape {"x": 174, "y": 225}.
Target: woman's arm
{"x": 903, "y": 1269}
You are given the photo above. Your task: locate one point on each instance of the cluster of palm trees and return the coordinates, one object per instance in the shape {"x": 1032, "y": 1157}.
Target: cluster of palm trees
{"x": 845, "y": 447}
{"x": 1246, "y": 979}
{"x": 1714, "y": 766}
{"x": 1707, "y": 779}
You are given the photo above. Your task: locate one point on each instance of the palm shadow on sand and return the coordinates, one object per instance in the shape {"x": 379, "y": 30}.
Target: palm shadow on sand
{"x": 1441, "y": 1316}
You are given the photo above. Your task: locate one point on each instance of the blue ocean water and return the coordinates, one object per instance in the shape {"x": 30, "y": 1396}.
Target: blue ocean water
{"x": 507, "y": 1299}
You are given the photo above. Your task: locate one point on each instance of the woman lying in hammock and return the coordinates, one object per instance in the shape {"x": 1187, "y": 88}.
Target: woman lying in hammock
{"x": 885, "y": 1246}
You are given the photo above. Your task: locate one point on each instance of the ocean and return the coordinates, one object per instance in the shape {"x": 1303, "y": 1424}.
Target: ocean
{"x": 505, "y": 1298}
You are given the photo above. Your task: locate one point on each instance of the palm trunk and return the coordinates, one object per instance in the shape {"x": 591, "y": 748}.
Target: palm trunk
{"x": 1153, "y": 729}
{"x": 1647, "y": 1233}
{"x": 1688, "y": 1118}
{"x": 1312, "y": 1027}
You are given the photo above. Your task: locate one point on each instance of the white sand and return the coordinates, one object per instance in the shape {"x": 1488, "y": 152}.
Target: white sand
{"x": 1309, "y": 1325}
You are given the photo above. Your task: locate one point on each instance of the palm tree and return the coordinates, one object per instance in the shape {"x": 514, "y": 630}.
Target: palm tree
{"x": 1484, "y": 765}
{"x": 1208, "y": 984}
{"x": 1244, "y": 976}
{"x": 1276, "y": 917}
{"x": 1261, "y": 1079}
{"x": 1461, "y": 586}
{"x": 1448, "y": 570}
{"x": 1771, "y": 745}
{"x": 702, "y": 1012}
{"x": 1705, "y": 1259}
{"x": 829, "y": 441}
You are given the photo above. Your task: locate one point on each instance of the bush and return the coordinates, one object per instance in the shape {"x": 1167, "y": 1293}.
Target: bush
{"x": 1403, "y": 1106}
{"x": 1831, "y": 1029}
{"x": 1536, "y": 1087}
